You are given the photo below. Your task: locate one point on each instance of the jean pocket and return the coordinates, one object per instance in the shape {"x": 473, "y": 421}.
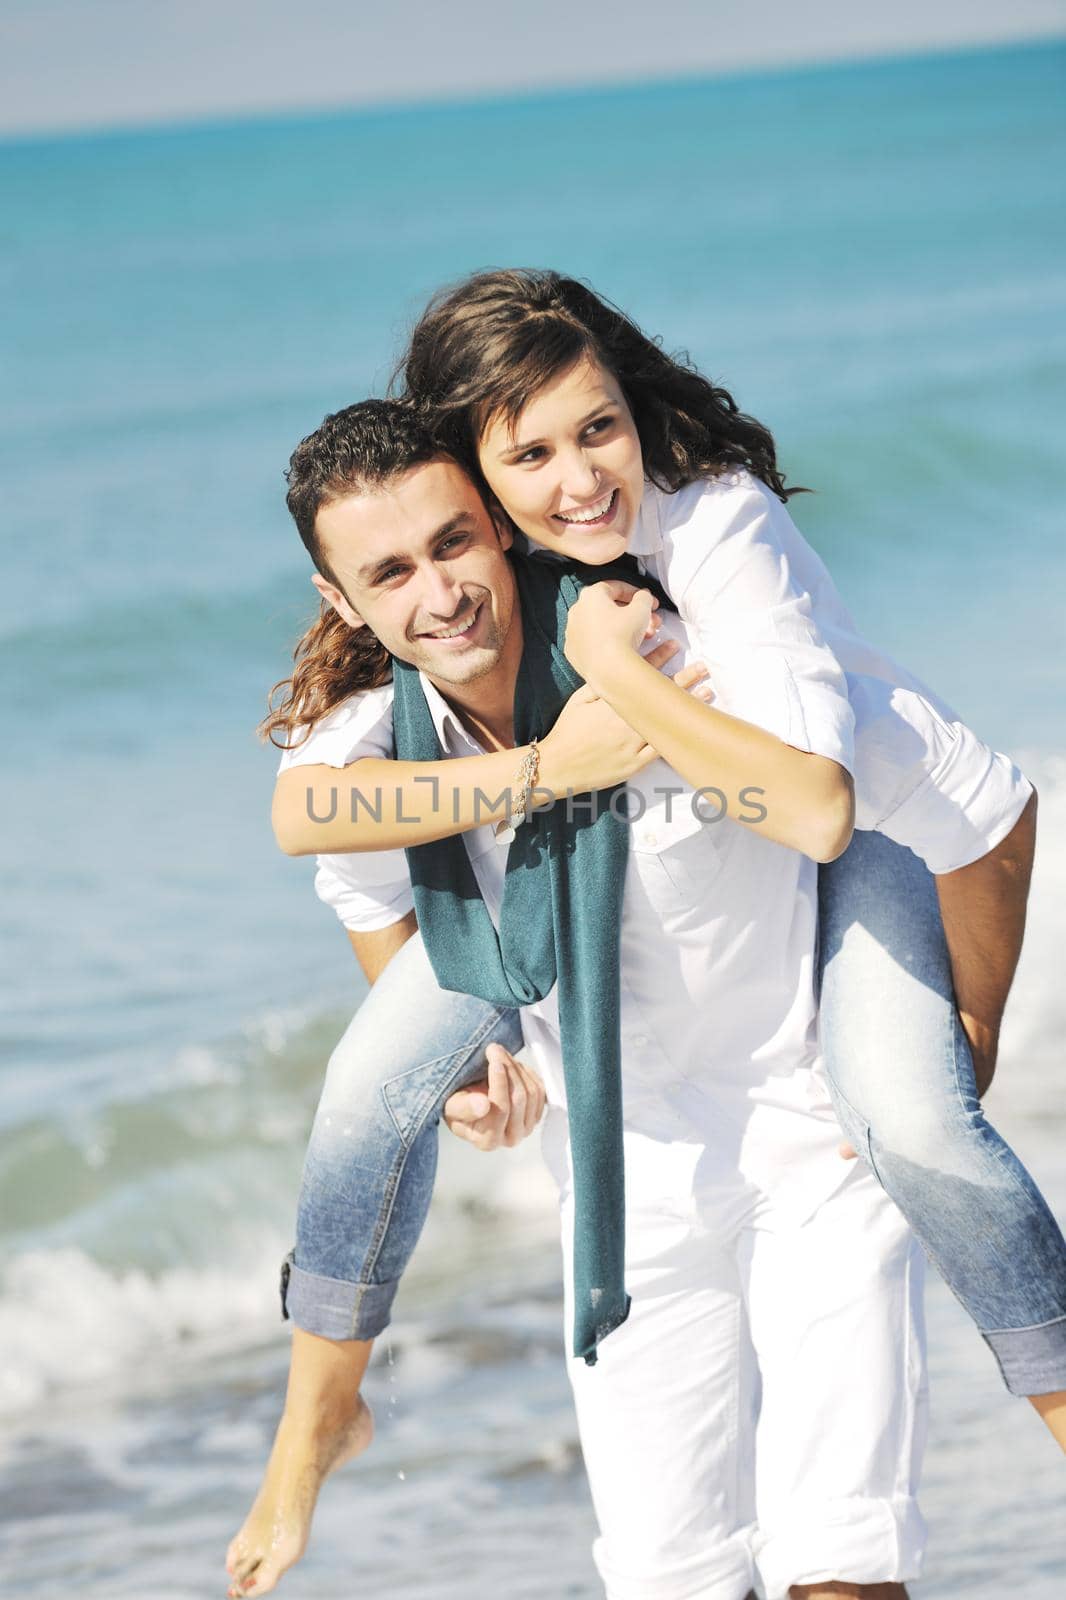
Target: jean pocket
{"x": 413, "y": 1097}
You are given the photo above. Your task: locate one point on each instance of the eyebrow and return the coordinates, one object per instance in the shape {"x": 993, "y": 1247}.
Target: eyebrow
{"x": 457, "y": 523}
{"x": 520, "y": 449}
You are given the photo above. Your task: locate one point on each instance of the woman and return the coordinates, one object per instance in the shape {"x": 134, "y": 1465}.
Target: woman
{"x": 597, "y": 444}
{"x": 659, "y": 418}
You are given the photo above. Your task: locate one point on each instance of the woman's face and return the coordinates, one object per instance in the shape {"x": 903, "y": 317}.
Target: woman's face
{"x": 569, "y": 473}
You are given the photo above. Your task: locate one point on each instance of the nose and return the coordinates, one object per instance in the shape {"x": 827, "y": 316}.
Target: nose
{"x": 580, "y": 477}
{"x": 441, "y": 593}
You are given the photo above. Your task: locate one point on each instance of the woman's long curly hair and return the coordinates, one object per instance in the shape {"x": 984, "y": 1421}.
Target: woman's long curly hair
{"x": 484, "y": 348}
{"x": 354, "y": 452}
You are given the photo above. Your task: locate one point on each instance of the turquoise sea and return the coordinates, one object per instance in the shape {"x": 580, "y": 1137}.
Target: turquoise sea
{"x": 873, "y": 259}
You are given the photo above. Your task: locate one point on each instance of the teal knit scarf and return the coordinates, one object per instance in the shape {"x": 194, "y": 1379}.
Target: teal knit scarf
{"x": 559, "y": 923}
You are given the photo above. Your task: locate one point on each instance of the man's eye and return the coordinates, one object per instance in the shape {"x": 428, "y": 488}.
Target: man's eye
{"x": 451, "y": 542}
{"x": 389, "y": 574}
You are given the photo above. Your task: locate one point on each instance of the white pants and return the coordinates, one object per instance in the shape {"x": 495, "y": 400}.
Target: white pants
{"x": 765, "y": 1402}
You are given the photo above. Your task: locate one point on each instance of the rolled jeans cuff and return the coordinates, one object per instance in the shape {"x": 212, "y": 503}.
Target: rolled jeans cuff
{"x": 332, "y": 1307}
{"x": 1032, "y": 1360}
{"x": 855, "y": 1540}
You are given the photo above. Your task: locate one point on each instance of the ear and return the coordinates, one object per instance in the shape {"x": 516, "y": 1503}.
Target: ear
{"x": 336, "y": 598}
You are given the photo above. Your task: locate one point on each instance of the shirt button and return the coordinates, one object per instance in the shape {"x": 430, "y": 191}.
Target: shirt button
{"x": 651, "y": 839}
{"x": 640, "y": 1040}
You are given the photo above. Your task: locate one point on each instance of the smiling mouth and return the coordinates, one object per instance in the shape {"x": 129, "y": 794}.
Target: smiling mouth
{"x": 591, "y": 516}
{"x": 458, "y": 630}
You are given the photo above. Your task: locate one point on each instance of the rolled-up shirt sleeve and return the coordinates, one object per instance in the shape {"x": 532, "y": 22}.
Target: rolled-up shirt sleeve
{"x": 367, "y": 889}
{"x": 963, "y": 808}
{"x": 362, "y": 904}
{"x": 925, "y": 779}
{"x": 768, "y": 660}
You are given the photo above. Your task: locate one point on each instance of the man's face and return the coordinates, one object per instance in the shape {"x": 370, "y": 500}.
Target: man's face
{"x": 421, "y": 564}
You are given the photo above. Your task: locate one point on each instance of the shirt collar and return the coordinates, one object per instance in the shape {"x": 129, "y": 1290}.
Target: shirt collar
{"x": 453, "y": 736}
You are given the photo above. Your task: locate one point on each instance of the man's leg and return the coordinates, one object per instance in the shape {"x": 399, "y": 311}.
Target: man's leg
{"x": 855, "y": 1591}
{"x": 667, "y": 1414}
{"x": 367, "y": 1183}
{"x": 835, "y": 1309}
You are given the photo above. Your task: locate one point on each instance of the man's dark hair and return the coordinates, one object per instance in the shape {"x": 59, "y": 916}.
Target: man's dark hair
{"x": 353, "y": 451}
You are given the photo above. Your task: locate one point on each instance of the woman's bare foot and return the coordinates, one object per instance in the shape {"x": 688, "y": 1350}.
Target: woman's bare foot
{"x": 325, "y": 1422}
{"x": 274, "y": 1535}
{"x": 1052, "y": 1407}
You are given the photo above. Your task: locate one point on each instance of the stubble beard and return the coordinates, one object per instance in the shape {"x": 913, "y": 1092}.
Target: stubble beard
{"x": 470, "y": 666}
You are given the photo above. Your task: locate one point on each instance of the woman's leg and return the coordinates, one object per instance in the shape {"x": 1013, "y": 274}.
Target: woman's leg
{"x": 367, "y": 1182}
{"x": 902, "y": 1079}
{"x": 372, "y": 1157}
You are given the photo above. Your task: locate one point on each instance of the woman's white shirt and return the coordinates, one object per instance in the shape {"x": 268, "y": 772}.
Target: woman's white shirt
{"x": 765, "y": 610}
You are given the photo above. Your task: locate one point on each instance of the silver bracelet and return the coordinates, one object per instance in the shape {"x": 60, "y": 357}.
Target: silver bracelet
{"x": 528, "y": 773}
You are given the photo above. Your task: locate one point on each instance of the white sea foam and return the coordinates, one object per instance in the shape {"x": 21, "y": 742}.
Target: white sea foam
{"x": 66, "y": 1321}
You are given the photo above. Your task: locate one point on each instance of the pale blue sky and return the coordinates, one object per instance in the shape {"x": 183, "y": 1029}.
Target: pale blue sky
{"x": 67, "y": 64}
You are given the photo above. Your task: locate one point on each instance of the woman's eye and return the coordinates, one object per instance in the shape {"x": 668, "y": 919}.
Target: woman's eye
{"x": 600, "y": 425}
{"x": 535, "y": 454}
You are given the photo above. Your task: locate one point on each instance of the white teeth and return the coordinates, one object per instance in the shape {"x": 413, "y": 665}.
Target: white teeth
{"x": 453, "y": 633}
{"x": 591, "y": 515}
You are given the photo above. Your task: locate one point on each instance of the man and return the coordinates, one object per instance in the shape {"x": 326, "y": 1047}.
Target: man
{"x": 753, "y": 1255}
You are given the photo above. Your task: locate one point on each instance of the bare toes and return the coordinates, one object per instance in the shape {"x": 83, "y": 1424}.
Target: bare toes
{"x": 266, "y": 1577}
{"x": 245, "y": 1572}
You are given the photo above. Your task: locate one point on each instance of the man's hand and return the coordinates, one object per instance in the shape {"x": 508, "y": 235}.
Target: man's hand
{"x": 605, "y": 614}
{"x": 503, "y": 1109}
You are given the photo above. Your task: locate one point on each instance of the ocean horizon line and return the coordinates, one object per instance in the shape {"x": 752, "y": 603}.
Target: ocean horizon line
{"x": 535, "y": 97}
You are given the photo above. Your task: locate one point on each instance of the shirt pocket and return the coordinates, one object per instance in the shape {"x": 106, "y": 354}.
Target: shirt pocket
{"x": 676, "y": 849}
